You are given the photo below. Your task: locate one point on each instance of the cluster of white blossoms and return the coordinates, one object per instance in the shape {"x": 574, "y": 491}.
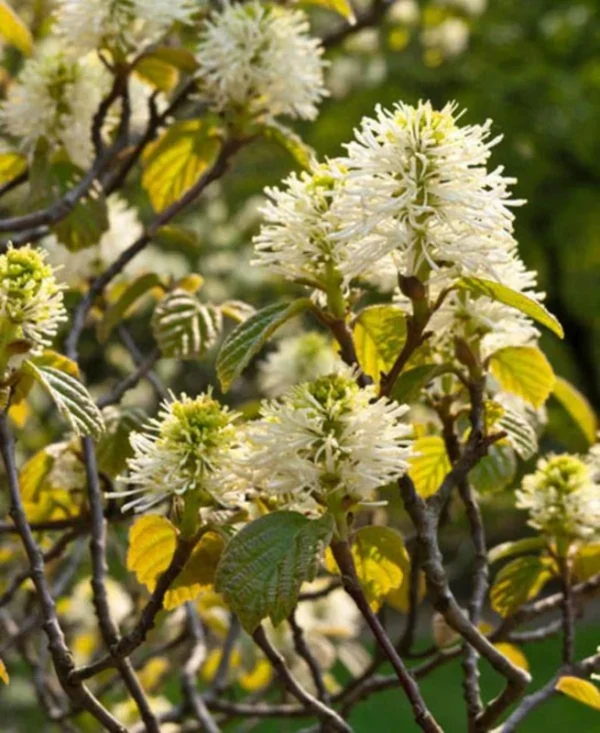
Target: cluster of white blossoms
{"x": 259, "y": 60}
{"x": 31, "y": 300}
{"x": 563, "y": 498}
{"x": 299, "y": 239}
{"x": 55, "y": 98}
{"x": 117, "y": 25}
{"x": 297, "y": 359}
{"x": 328, "y": 443}
{"x": 189, "y": 447}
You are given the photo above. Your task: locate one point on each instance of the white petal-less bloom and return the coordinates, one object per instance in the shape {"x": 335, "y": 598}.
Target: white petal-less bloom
{"x": 329, "y": 441}
{"x": 421, "y": 182}
{"x": 334, "y": 615}
{"x": 188, "y": 447}
{"x": 562, "y": 498}
{"x": 86, "y": 25}
{"x": 297, "y": 359}
{"x": 31, "y": 300}
{"x": 260, "y": 59}
{"x": 301, "y": 220}
{"x": 55, "y": 98}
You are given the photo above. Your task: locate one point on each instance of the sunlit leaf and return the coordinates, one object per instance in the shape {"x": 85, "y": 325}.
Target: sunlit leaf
{"x": 581, "y": 690}
{"x": 176, "y": 161}
{"x": 248, "y": 338}
{"x": 302, "y": 153}
{"x": 381, "y": 560}
{"x": 4, "y": 673}
{"x": 518, "y": 582}
{"x": 520, "y": 434}
{"x": 578, "y": 408}
{"x": 341, "y": 7}
{"x": 157, "y": 72}
{"x": 586, "y": 562}
{"x": 507, "y": 296}
{"x": 429, "y": 464}
{"x": 525, "y": 372}
{"x": 132, "y": 293}
{"x": 266, "y": 562}
{"x": 11, "y": 164}
{"x": 379, "y": 333}
{"x": 513, "y": 654}
{"x": 152, "y": 543}
{"x": 508, "y": 549}
{"x": 198, "y": 572}
{"x": 14, "y": 31}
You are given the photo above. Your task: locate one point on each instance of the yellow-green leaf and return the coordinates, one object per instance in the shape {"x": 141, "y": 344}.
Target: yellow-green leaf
{"x": 578, "y": 408}
{"x": 4, "y": 673}
{"x": 429, "y": 464}
{"x": 175, "y": 162}
{"x": 11, "y": 165}
{"x": 581, "y": 690}
{"x": 379, "y": 334}
{"x": 14, "y": 31}
{"x": 289, "y": 140}
{"x": 508, "y": 549}
{"x": 381, "y": 561}
{"x": 198, "y": 572}
{"x": 341, "y": 7}
{"x": 152, "y": 542}
{"x": 399, "y": 598}
{"x": 33, "y": 475}
{"x": 586, "y": 562}
{"x": 514, "y": 299}
{"x": 518, "y": 582}
{"x": 523, "y": 371}
{"x": 157, "y": 72}
{"x": 178, "y": 57}
{"x": 136, "y": 290}
{"x": 513, "y": 654}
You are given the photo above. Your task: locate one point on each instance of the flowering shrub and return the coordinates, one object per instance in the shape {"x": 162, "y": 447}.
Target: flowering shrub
{"x": 270, "y": 519}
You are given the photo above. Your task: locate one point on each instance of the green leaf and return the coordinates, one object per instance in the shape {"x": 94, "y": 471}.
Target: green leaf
{"x": 578, "y": 408}
{"x": 157, "y": 72}
{"x": 408, "y": 386}
{"x": 175, "y": 162}
{"x": 237, "y": 310}
{"x": 581, "y": 690}
{"x": 183, "y": 327}
{"x": 508, "y": 549}
{"x": 514, "y": 299}
{"x": 429, "y": 464}
{"x": 381, "y": 560}
{"x": 341, "y": 7}
{"x": 518, "y": 582}
{"x": 114, "y": 447}
{"x": 302, "y": 153}
{"x": 379, "y": 334}
{"x": 178, "y": 57}
{"x": 14, "y": 31}
{"x": 247, "y": 339}
{"x": 523, "y": 371}
{"x": 495, "y": 471}
{"x": 71, "y": 398}
{"x": 137, "y": 289}
{"x": 520, "y": 434}
{"x": 267, "y": 561}
{"x": 11, "y": 166}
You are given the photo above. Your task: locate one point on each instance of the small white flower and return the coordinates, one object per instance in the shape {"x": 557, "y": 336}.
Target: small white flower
{"x": 297, "y": 359}
{"x": 31, "y": 300}
{"x": 189, "y": 447}
{"x": 421, "y": 182}
{"x": 86, "y": 25}
{"x": 329, "y": 441}
{"x": 298, "y": 239}
{"x": 56, "y": 98}
{"x": 562, "y": 498}
{"x": 260, "y": 59}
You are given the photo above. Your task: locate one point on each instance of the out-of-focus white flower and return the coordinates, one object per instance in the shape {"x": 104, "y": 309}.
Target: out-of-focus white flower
{"x": 562, "y": 498}
{"x": 31, "y": 300}
{"x": 451, "y": 36}
{"x": 86, "y": 25}
{"x": 471, "y": 7}
{"x": 298, "y": 239}
{"x": 329, "y": 442}
{"x": 334, "y": 615}
{"x": 420, "y": 182}
{"x": 124, "y": 227}
{"x": 404, "y": 11}
{"x": 187, "y": 448}
{"x": 260, "y": 59}
{"x": 56, "y": 98}
{"x": 297, "y": 359}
